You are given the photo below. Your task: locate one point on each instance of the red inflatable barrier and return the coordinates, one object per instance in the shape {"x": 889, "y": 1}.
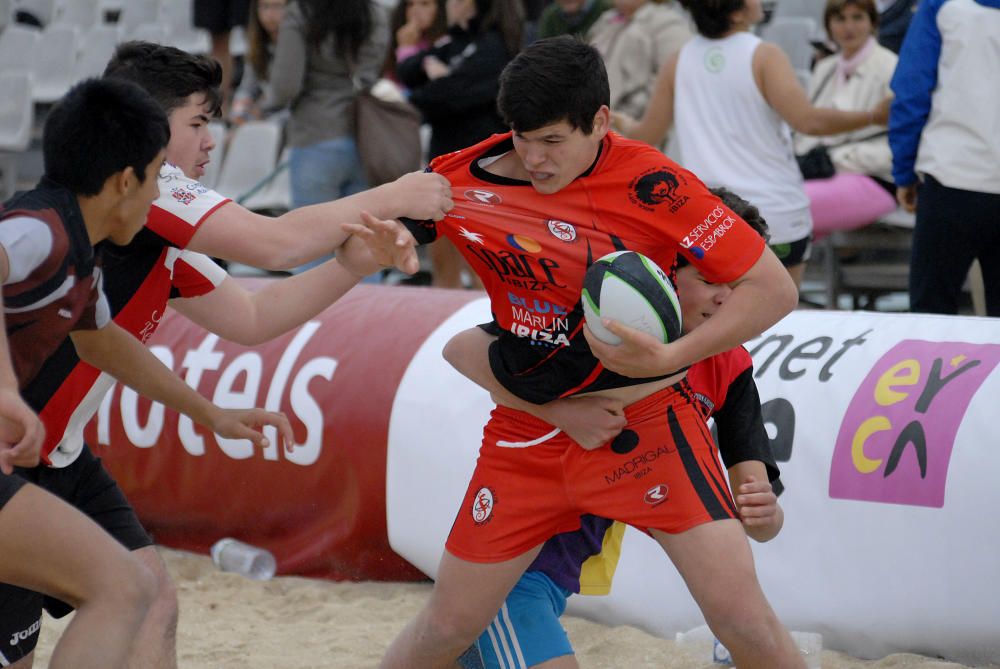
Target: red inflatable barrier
{"x": 319, "y": 506}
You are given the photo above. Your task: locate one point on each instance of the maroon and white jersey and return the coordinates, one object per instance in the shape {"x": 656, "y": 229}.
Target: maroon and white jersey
{"x": 53, "y": 286}
{"x": 139, "y": 280}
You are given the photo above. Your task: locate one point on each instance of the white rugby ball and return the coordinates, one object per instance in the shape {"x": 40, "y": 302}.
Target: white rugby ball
{"x": 628, "y": 287}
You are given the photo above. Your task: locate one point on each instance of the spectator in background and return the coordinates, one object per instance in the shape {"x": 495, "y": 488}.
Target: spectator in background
{"x": 415, "y": 26}
{"x": 570, "y": 17}
{"x": 325, "y": 52}
{"x": 219, "y": 17}
{"x": 857, "y": 77}
{"x": 946, "y": 149}
{"x": 455, "y": 85}
{"x": 635, "y": 38}
{"x": 262, "y": 35}
{"x": 894, "y": 17}
{"x": 724, "y": 68}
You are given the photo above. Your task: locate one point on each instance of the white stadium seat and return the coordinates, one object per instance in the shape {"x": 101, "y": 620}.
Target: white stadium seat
{"x": 16, "y": 120}
{"x": 54, "y": 64}
{"x": 250, "y": 157}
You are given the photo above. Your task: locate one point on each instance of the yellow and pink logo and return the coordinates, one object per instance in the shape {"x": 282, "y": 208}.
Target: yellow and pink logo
{"x": 899, "y": 430}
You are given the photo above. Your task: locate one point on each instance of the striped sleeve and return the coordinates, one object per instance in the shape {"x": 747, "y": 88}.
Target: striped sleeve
{"x": 184, "y": 204}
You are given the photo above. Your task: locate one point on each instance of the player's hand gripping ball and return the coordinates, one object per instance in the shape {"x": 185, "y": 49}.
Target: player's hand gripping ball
{"x": 628, "y": 287}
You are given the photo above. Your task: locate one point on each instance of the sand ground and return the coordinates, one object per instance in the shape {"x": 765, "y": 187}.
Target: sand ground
{"x": 230, "y": 622}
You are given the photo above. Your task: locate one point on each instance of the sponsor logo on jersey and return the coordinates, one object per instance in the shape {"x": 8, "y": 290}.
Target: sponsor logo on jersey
{"x": 482, "y": 505}
{"x": 522, "y": 243}
{"x": 657, "y": 186}
{"x": 183, "y": 196}
{"x": 637, "y": 466}
{"x": 483, "y": 196}
{"x": 657, "y": 494}
{"x": 561, "y": 230}
{"x": 518, "y": 269}
{"x": 700, "y": 239}
{"x": 540, "y": 321}
{"x": 471, "y": 236}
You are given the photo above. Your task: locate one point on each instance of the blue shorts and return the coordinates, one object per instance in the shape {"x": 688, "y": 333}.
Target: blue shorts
{"x": 527, "y": 631}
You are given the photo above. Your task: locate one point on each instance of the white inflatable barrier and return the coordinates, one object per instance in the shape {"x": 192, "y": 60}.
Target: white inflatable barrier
{"x": 883, "y": 427}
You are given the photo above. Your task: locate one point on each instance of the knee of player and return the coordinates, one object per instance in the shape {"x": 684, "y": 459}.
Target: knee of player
{"x": 136, "y": 587}
{"x": 451, "y": 627}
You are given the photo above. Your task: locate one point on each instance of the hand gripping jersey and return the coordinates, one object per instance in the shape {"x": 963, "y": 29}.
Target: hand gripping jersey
{"x": 54, "y": 281}
{"x": 139, "y": 279}
{"x": 584, "y": 560}
{"x": 532, "y": 250}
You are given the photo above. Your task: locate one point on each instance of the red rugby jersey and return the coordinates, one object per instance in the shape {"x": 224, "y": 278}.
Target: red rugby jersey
{"x": 532, "y": 250}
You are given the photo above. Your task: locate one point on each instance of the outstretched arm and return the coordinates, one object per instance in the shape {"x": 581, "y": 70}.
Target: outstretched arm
{"x": 589, "y": 421}
{"x": 254, "y": 317}
{"x": 121, "y": 355}
{"x": 235, "y": 233}
{"x": 783, "y": 92}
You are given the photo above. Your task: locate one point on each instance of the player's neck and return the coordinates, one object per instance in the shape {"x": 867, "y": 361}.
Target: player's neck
{"x": 96, "y": 210}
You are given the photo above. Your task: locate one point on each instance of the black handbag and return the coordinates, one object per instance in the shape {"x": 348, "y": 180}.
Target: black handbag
{"x": 815, "y": 163}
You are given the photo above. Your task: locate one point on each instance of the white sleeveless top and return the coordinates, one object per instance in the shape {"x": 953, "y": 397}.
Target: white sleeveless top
{"x": 729, "y": 136}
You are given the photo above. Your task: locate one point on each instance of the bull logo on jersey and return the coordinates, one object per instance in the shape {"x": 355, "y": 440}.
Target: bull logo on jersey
{"x": 561, "y": 230}
{"x": 482, "y": 196}
{"x": 657, "y": 186}
{"x": 482, "y": 505}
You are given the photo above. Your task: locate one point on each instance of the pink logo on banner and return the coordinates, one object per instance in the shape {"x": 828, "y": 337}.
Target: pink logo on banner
{"x": 896, "y": 438}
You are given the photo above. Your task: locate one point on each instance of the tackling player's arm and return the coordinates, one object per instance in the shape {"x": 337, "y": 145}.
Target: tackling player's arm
{"x": 124, "y": 357}
{"x": 590, "y": 421}
{"x": 250, "y": 318}
{"x": 235, "y": 233}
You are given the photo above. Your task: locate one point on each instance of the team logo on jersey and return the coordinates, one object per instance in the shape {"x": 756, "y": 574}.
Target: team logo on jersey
{"x": 522, "y": 243}
{"x": 482, "y": 505}
{"x": 183, "y": 196}
{"x": 657, "y": 186}
{"x": 561, "y": 230}
{"x": 657, "y": 494}
{"x": 482, "y": 196}
{"x": 714, "y": 60}
{"x": 471, "y": 236}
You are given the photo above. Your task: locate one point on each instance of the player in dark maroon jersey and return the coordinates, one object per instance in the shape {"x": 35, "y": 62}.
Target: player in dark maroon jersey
{"x": 533, "y": 209}
{"x": 51, "y": 290}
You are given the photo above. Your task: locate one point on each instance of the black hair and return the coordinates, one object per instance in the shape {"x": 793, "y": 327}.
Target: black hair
{"x": 350, "y": 21}
{"x": 740, "y": 207}
{"x": 554, "y": 79}
{"x": 99, "y": 128}
{"x": 712, "y": 17}
{"x": 504, "y": 16}
{"x": 169, "y": 74}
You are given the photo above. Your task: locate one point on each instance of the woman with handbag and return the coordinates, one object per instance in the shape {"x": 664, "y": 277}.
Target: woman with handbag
{"x": 856, "y": 187}
{"x": 736, "y": 99}
{"x": 454, "y": 83}
{"x": 325, "y": 52}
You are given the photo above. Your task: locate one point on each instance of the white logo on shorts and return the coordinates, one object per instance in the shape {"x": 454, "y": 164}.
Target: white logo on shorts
{"x": 24, "y": 634}
{"x": 482, "y": 506}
